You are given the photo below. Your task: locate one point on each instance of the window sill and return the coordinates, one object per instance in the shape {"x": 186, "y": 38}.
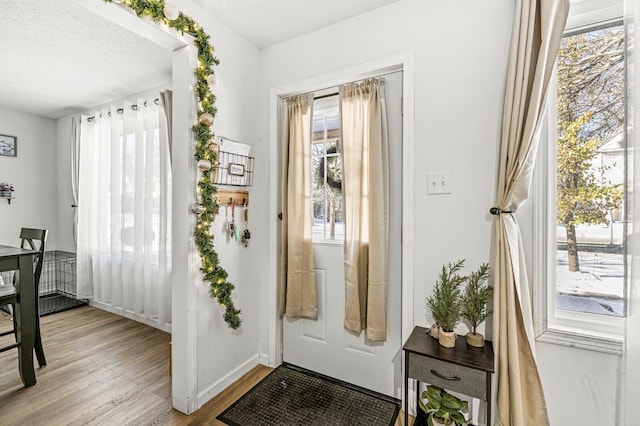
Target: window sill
{"x": 611, "y": 344}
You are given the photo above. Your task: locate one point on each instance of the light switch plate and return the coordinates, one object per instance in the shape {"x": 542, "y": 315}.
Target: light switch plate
{"x": 438, "y": 183}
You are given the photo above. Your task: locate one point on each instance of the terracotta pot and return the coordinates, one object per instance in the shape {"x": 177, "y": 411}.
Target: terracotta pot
{"x": 434, "y": 331}
{"x": 447, "y": 338}
{"x": 475, "y": 340}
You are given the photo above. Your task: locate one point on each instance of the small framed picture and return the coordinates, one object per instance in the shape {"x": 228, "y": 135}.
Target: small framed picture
{"x": 8, "y": 146}
{"x": 236, "y": 169}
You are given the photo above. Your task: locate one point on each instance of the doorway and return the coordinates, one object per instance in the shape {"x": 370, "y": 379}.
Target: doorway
{"x": 324, "y": 345}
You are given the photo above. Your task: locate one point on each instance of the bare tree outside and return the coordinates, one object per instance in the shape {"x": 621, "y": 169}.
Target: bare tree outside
{"x": 326, "y": 169}
{"x": 590, "y": 114}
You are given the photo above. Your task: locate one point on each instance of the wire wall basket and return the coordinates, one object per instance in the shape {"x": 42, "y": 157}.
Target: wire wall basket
{"x": 233, "y": 169}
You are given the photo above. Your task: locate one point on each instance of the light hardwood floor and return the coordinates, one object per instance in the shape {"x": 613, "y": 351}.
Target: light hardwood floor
{"x": 103, "y": 369}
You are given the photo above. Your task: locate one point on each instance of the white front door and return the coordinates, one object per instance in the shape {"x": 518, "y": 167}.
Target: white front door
{"x": 324, "y": 345}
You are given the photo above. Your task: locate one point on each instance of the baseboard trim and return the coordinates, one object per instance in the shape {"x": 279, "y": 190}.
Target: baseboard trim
{"x": 263, "y": 359}
{"x": 220, "y": 385}
{"x": 132, "y": 316}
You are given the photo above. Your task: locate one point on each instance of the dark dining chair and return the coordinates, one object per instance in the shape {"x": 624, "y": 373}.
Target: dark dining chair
{"x": 34, "y": 239}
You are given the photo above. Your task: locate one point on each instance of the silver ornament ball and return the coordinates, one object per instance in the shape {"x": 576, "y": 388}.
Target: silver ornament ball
{"x": 204, "y": 165}
{"x": 171, "y": 12}
{"x": 206, "y": 119}
{"x": 212, "y": 80}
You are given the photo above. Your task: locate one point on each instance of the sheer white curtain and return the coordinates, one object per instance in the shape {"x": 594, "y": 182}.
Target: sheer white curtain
{"x": 75, "y": 172}
{"x": 630, "y": 377}
{"x": 124, "y": 218}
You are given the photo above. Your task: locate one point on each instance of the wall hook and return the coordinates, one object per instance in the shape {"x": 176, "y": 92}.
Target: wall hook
{"x": 227, "y": 198}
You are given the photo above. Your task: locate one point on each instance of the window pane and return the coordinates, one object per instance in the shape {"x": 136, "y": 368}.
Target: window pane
{"x": 591, "y": 171}
{"x": 319, "y": 214}
{"x": 333, "y": 146}
{"x": 317, "y": 145}
{"x": 317, "y": 175}
{"x": 326, "y": 170}
{"x": 334, "y": 176}
{"x": 334, "y": 229}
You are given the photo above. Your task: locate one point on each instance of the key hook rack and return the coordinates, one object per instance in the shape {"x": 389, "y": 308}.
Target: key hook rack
{"x": 227, "y": 198}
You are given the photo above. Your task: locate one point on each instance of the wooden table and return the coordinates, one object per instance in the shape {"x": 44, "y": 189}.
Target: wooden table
{"x": 463, "y": 368}
{"x": 15, "y": 258}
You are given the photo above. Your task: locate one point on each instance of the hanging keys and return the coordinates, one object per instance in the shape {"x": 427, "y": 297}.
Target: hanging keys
{"x": 231, "y": 225}
{"x": 246, "y": 235}
{"x": 227, "y": 222}
{"x": 236, "y": 231}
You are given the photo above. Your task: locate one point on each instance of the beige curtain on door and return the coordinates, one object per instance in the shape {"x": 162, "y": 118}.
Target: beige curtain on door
{"x": 537, "y": 30}
{"x": 366, "y": 202}
{"x": 298, "y": 278}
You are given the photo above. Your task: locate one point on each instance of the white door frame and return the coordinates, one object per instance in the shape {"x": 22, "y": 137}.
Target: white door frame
{"x": 402, "y": 62}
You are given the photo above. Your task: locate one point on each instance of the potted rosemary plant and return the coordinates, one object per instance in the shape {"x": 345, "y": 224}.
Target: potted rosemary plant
{"x": 445, "y": 303}
{"x": 474, "y": 303}
{"x": 442, "y": 408}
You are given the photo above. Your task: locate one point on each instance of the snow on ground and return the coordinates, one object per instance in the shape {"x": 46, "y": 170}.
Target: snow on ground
{"x": 601, "y": 275}
{"x": 597, "y": 288}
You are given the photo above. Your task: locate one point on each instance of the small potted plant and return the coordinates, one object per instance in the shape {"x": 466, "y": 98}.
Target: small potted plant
{"x": 434, "y": 331}
{"x": 442, "y": 408}
{"x": 445, "y": 303}
{"x": 474, "y": 303}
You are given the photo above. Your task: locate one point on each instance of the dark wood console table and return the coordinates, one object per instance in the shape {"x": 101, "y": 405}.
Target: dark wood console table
{"x": 462, "y": 369}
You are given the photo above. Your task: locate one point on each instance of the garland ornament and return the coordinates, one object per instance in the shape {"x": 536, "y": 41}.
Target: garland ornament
{"x": 162, "y": 12}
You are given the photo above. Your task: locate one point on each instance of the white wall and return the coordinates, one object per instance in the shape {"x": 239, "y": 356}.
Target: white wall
{"x": 33, "y": 175}
{"x": 585, "y": 380}
{"x": 222, "y": 354}
{"x": 460, "y": 49}
{"x": 65, "y": 211}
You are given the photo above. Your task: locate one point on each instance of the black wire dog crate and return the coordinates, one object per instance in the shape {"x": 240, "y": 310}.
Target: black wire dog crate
{"x": 57, "y": 282}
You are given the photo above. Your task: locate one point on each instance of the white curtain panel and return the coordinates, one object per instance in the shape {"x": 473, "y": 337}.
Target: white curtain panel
{"x": 124, "y": 215}
{"x": 166, "y": 97}
{"x": 630, "y": 377}
{"x": 75, "y": 172}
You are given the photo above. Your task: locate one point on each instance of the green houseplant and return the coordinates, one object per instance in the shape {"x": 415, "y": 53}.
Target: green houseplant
{"x": 445, "y": 303}
{"x": 475, "y": 297}
{"x": 442, "y": 408}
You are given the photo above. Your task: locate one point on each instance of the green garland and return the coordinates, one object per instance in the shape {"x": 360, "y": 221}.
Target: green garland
{"x": 220, "y": 288}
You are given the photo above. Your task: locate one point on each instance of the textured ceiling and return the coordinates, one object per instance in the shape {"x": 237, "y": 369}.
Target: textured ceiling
{"x": 58, "y": 58}
{"x": 265, "y": 23}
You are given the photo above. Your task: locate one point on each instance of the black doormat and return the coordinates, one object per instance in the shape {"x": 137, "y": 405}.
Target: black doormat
{"x": 291, "y": 395}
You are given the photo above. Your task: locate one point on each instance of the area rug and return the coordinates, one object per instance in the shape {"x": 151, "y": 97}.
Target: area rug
{"x": 291, "y": 395}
